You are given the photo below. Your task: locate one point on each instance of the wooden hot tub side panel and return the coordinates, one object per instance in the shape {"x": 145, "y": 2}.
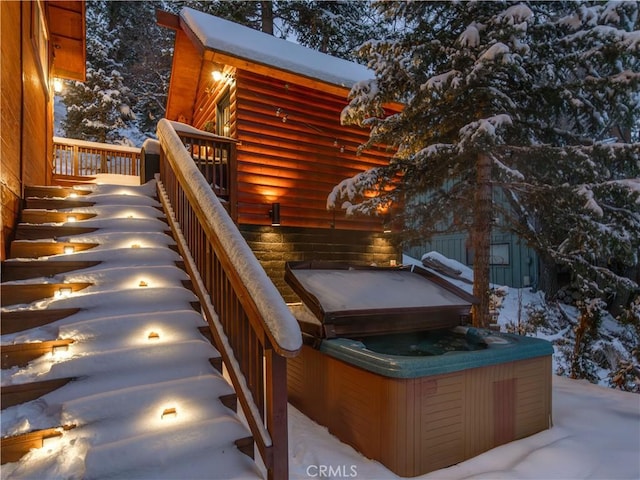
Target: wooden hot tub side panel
{"x": 533, "y": 396}
{"x": 414, "y": 426}
{"x": 306, "y": 383}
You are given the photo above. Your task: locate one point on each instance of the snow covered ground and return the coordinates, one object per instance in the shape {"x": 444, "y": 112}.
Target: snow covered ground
{"x": 596, "y": 432}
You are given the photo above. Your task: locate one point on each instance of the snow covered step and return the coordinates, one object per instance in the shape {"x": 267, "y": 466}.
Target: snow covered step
{"x": 53, "y": 191}
{"x": 38, "y": 216}
{"x": 24, "y": 293}
{"x": 181, "y": 452}
{"x": 15, "y": 447}
{"x": 22, "y": 270}
{"x": 37, "y": 249}
{"x": 20, "y": 354}
{"x": 26, "y": 392}
{"x": 21, "y": 320}
{"x": 56, "y": 203}
{"x": 26, "y": 231}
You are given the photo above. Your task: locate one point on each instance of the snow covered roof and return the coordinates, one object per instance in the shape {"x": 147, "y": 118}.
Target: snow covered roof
{"x": 249, "y": 44}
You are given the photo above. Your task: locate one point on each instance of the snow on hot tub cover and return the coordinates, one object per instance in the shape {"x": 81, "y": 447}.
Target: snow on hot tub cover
{"x": 350, "y": 300}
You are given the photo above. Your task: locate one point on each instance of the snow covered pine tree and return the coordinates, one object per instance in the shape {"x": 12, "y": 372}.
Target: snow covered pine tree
{"x": 529, "y": 97}
{"x": 98, "y": 107}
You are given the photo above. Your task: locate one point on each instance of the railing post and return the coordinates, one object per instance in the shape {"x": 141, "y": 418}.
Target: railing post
{"x": 76, "y": 161}
{"x": 103, "y": 162}
{"x": 276, "y": 402}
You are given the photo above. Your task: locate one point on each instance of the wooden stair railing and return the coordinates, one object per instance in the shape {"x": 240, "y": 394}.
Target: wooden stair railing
{"x": 250, "y": 324}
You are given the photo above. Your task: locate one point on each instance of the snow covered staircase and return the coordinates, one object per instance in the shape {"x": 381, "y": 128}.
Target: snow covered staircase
{"x": 117, "y": 378}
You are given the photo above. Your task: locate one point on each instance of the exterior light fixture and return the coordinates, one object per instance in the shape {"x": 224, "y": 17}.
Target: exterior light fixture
{"x": 71, "y": 218}
{"x": 169, "y": 413}
{"x": 69, "y": 249}
{"x": 217, "y": 75}
{"x": 73, "y": 195}
{"x": 153, "y": 336}
{"x": 57, "y": 85}
{"x": 274, "y": 213}
{"x": 143, "y": 284}
{"x": 135, "y": 245}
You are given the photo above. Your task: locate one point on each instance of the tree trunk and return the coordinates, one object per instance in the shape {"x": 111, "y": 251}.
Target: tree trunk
{"x": 266, "y": 10}
{"x": 481, "y": 236}
{"x": 548, "y": 276}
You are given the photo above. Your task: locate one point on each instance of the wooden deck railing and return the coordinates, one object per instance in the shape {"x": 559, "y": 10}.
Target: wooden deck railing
{"x": 79, "y": 158}
{"x": 252, "y": 327}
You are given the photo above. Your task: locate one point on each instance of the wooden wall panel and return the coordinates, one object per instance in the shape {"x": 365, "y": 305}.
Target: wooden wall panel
{"x": 292, "y": 148}
{"x": 35, "y": 111}
{"x": 294, "y": 151}
{"x": 10, "y": 101}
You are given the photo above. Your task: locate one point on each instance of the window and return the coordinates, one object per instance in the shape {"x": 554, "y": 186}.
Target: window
{"x": 223, "y": 115}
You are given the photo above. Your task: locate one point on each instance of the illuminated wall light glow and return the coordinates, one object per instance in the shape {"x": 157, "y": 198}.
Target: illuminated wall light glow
{"x": 71, "y": 218}
{"x": 153, "y": 336}
{"x": 57, "y": 85}
{"x": 135, "y": 245}
{"x": 169, "y": 413}
{"x": 73, "y": 195}
{"x": 69, "y": 249}
{"x": 217, "y": 75}
{"x": 143, "y": 284}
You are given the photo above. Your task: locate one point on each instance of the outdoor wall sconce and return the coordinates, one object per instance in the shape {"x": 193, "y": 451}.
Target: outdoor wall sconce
{"x": 71, "y": 218}
{"x": 73, "y": 195}
{"x": 217, "y": 75}
{"x": 153, "y": 336}
{"x": 135, "y": 245}
{"x": 274, "y": 213}
{"x": 69, "y": 249}
{"x": 143, "y": 284}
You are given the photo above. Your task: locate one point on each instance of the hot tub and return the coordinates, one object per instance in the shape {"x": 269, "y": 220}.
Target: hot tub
{"x": 412, "y": 394}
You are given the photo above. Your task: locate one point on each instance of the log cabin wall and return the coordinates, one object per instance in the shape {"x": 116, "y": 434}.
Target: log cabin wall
{"x": 26, "y": 109}
{"x": 293, "y": 151}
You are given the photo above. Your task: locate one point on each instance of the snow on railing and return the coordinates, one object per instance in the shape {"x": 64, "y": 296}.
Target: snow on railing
{"x": 251, "y": 325}
{"x": 82, "y": 158}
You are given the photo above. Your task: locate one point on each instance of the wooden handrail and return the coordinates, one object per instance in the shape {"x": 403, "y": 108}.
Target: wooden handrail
{"x": 251, "y": 325}
{"x": 82, "y": 158}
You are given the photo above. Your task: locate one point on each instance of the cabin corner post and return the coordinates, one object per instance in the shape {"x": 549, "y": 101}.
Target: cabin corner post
{"x": 276, "y": 402}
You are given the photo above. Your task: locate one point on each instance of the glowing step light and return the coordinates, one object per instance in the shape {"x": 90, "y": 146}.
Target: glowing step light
{"x": 64, "y": 292}
{"x": 169, "y": 413}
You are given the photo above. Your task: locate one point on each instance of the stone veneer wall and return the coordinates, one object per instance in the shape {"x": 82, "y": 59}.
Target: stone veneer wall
{"x": 274, "y": 246}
